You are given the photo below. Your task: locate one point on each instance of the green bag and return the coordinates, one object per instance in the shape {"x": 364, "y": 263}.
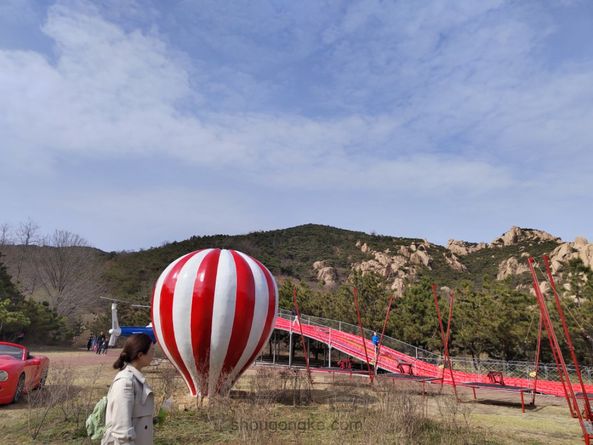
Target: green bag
{"x": 95, "y": 423}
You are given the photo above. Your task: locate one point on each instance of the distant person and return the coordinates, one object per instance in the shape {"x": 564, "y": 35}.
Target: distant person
{"x": 104, "y": 346}
{"x": 100, "y": 341}
{"x": 294, "y": 317}
{"x": 89, "y": 344}
{"x": 130, "y": 400}
{"x": 375, "y": 339}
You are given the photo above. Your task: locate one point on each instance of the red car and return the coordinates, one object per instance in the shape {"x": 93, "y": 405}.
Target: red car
{"x": 19, "y": 371}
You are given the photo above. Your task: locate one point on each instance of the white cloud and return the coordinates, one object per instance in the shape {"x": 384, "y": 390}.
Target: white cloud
{"x": 111, "y": 93}
{"x": 427, "y": 100}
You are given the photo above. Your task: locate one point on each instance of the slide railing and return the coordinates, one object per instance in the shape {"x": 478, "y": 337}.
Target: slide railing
{"x": 397, "y": 356}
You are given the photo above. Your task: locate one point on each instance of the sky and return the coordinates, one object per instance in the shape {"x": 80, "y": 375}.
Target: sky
{"x": 136, "y": 122}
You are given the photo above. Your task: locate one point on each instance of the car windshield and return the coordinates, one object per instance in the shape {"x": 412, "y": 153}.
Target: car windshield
{"x": 13, "y": 351}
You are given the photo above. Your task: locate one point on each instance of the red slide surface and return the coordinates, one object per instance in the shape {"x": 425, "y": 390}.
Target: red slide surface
{"x": 391, "y": 359}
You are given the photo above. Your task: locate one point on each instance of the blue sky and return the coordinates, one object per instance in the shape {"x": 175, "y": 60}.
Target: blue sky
{"x": 136, "y": 122}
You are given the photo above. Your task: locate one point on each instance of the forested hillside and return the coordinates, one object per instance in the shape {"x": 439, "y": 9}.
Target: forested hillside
{"x": 291, "y": 254}
{"x": 27, "y": 320}
{"x": 495, "y": 313}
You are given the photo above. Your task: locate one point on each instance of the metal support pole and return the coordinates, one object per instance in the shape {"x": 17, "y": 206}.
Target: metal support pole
{"x": 383, "y": 334}
{"x": 568, "y": 338}
{"x": 553, "y": 345}
{"x": 570, "y": 396}
{"x": 445, "y": 337}
{"x": 290, "y": 347}
{"x": 537, "y": 354}
{"x": 305, "y": 350}
{"x": 329, "y": 361}
{"x": 364, "y": 344}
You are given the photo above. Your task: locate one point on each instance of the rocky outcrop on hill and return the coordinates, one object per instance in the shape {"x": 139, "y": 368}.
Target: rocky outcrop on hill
{"x": 454, "y": 263}
{"x": 463, "y": 247}
{"x": 580, "y": 248}
{"x": 511, "y": 266}
{"x": 398, "y": 267}
{"x": 516, "y": 235}
{"x": 326, "y": 274}
{"x": 511, "y": 237}
{"x": 402, "y": 261}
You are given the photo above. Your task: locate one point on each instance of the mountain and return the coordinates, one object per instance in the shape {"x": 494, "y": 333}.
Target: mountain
{"x": 323, "y": 257}
{"x": 494, "y": 315}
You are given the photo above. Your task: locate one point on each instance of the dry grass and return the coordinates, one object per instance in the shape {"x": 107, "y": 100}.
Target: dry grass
{"x": 280, "y": 405}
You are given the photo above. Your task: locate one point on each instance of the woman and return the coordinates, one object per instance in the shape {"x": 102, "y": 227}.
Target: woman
{"x": 130, "y": 401}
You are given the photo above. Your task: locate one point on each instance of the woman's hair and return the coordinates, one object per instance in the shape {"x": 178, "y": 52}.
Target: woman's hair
{"x": 135, "y": 344}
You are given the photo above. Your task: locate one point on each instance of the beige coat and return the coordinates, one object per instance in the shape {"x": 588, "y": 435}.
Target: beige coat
{"x": 130, "y": 409}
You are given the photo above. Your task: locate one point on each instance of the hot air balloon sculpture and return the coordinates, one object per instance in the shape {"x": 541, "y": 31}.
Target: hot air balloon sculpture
{"x": 213, "y": 311}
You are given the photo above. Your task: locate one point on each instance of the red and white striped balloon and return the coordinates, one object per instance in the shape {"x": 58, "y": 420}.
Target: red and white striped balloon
{"x": 213, "y": 311}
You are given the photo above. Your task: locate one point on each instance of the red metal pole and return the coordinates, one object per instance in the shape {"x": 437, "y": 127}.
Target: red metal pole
{"x": 448, "y": 336}
{"x": 442, "y": 331}
{"x": 555, "y": 350}
{"x": 383, "y": 332}
{"x": 445, "y": 338}
{"x": 306, "y": 353}
{"x": 570, "y": 396}
{"x": 568, "y": 337}
{"x": 537, "y": 354}
{"x": 364, "y": 344}
{"x": 553, "y": 347}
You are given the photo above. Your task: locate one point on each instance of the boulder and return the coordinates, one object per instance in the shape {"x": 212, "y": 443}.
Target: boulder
{"x": 383, "y": 258}
{"x": 401, "y": 267}
{"x": 328, "y": 276}
{"x": 319, "y": 265}
{"x": 453, "y": 262}
{"x": 405, "y": 251}
{"x": 568, "y": 251}
{"x": 463, "y": 248}
{"x": 421, "y": 258}
{"x": 580, "y": 242}
{"x": 586, "y": 255}
{"x": 516, "y": 235}
{"x": 511, "y": 266}
{"x": 325, "y": 273}
{"x": 398, "y": 286}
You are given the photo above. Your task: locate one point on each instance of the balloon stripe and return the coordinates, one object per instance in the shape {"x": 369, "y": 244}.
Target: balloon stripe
{"x": 168, "y": 328}
{"x": 156, "y": 304}
{"x": 259, "y": 315}
{"x": 270, "y": 316}
{"x": 182, "y": 306}
{"x": 201, "y": 317}
{"x": 223, "y": 314}
{"x": 244, "y": 307}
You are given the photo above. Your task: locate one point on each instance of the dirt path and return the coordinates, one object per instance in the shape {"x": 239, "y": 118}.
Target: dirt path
{"x": 78, "y": 358}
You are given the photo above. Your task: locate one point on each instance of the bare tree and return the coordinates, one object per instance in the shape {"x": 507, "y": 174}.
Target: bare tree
{"x": 27, "y": 234}
{"x": 5, "y": 234}
{"x": 69, "y": 271}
